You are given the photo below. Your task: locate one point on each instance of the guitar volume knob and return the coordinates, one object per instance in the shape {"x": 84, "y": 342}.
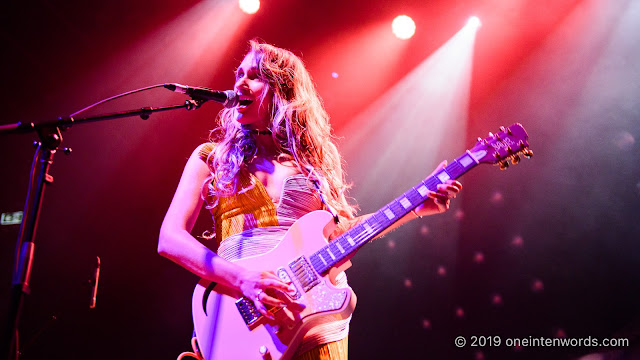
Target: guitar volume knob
{"x": 265, "y": 353}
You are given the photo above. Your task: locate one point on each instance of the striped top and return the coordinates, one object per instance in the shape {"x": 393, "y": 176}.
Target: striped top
{"x": 249, "y": 223}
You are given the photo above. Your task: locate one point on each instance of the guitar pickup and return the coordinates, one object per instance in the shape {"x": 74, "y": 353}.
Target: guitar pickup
{"x": 304, "y": 273}
{"x": 284, "y": 276}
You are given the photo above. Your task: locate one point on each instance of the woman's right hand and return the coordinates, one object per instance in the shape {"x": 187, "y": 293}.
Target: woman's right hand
{"x": 256, "y": 285}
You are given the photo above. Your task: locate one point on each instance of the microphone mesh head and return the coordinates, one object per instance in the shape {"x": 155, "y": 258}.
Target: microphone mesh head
{"x": 232, "y": 99}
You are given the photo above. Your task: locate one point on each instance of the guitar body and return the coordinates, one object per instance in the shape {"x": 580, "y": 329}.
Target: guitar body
{"x": 227, "y": 325}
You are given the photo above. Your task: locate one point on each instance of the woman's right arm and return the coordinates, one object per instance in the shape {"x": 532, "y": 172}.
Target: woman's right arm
{"x": 177, "y": 244}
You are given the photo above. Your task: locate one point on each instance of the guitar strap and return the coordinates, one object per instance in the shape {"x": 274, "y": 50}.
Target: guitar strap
{"x": 316, "y": 186}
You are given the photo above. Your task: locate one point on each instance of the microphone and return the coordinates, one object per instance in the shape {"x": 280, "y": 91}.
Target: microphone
{"x": 228, "y": 98}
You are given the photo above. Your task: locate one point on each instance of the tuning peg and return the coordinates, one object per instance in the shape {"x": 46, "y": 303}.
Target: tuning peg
{"x": 504, "y": 165}
{"x": 527, "y": 153}
{"x": 515, "y": 159}
{"x": 522, "y": 145}
{"x": 490, "y": 134}
{"x": 497, "y": 155}
{"x": 502, "y": 128}
{"x": 509, "y": 150}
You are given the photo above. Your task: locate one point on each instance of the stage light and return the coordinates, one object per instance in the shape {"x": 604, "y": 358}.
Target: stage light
{"x": 403, "y": 27}
{"x": 249, "y": 6}
{"x": 474, "y": 22}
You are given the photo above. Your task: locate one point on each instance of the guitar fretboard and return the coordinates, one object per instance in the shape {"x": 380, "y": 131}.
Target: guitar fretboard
{"x": 334, "y": 252}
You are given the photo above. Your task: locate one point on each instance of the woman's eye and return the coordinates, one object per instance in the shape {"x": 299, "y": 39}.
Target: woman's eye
{"x": 251, "y": 75}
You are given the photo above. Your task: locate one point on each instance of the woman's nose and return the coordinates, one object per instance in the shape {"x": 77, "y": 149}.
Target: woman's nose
{"x": 241, "y": 83}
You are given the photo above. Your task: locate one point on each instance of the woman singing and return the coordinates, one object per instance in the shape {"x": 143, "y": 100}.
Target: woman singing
{"x": 270, "y": 161}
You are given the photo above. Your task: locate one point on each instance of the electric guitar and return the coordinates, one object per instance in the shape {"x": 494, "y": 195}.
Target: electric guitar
{"x": 228, "y": 326}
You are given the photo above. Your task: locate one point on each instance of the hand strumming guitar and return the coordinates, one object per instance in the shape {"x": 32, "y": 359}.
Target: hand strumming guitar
{"x": 263, "y": 287}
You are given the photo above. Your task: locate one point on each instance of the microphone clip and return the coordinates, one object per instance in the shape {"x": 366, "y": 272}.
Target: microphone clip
{"x": 193, "y": 104}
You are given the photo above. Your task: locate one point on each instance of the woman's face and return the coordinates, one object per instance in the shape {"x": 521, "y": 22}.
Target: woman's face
{"x": 253, "y": 109}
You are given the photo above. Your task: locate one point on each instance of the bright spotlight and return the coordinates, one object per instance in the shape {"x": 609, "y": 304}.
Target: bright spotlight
{"x": 249, "y": 6}
{"x": 474, "y": 22}
{"x": 403, "y": 27}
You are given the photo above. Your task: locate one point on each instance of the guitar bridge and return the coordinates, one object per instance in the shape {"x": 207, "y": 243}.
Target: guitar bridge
{"x": 248, "y": 311}
{"x": 305, "y": 274}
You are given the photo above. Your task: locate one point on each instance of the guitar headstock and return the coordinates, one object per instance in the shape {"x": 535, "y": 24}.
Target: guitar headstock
{"x": 507, "y": 144}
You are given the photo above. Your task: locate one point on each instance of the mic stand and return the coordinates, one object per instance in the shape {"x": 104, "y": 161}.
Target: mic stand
{"x": 50, "y": 140}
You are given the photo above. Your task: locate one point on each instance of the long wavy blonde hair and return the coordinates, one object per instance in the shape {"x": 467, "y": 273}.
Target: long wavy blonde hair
{"x": 300, "y": 129}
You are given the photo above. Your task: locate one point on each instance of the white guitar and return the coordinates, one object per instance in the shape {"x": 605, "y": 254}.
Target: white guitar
{"x": 228, "y": 326}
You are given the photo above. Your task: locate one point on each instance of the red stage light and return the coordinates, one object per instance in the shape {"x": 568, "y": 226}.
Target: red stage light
{"x": 474, "y": 22}
{"x": 403, "y": 27}
{"x": 249, "y": 6}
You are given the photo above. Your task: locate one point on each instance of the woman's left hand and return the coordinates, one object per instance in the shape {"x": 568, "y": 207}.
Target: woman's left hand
{"x": 439, "y": 200}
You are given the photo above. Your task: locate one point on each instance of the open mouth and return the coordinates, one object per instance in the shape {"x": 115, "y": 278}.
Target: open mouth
{"x": 245, "y": 102}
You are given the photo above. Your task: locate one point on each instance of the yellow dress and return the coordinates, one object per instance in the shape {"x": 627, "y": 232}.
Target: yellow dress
{"x": 249, "y": 223}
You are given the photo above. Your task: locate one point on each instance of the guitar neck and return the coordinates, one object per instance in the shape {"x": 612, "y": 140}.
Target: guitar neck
{"x": 341, "y": 247}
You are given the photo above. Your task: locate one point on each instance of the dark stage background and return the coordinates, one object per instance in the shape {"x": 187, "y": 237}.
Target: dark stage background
{"x": 549, "y": 248}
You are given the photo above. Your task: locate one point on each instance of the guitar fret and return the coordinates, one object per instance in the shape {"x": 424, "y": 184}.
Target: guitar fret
{"x": 378, "y": 222}
{"x": 456, "y": 168}
{"x": 405, "y": 203}
{"x": 432, "y": 183}
{"x": 333, "y": 257}
{"x": 363, "y": 232}
{"x": 328, "y": 258}
{"x": 367, "y": 227}
{"x": 325, "y": 257}
{"x": 360, "y": 239}
{"x": 376, "y": 228}
{"x": 396, "y": 208}
{"x": 345, "y": 244}
{"x": 350, "y": 240}
{"x": 467, "y": 160}
{"x": 443, "y": 175}
{"x": 414, "y": 196}
{"x": 314, "y": 262}
{"x": 423, "y": 190}
{"x": 379, "y": 218}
